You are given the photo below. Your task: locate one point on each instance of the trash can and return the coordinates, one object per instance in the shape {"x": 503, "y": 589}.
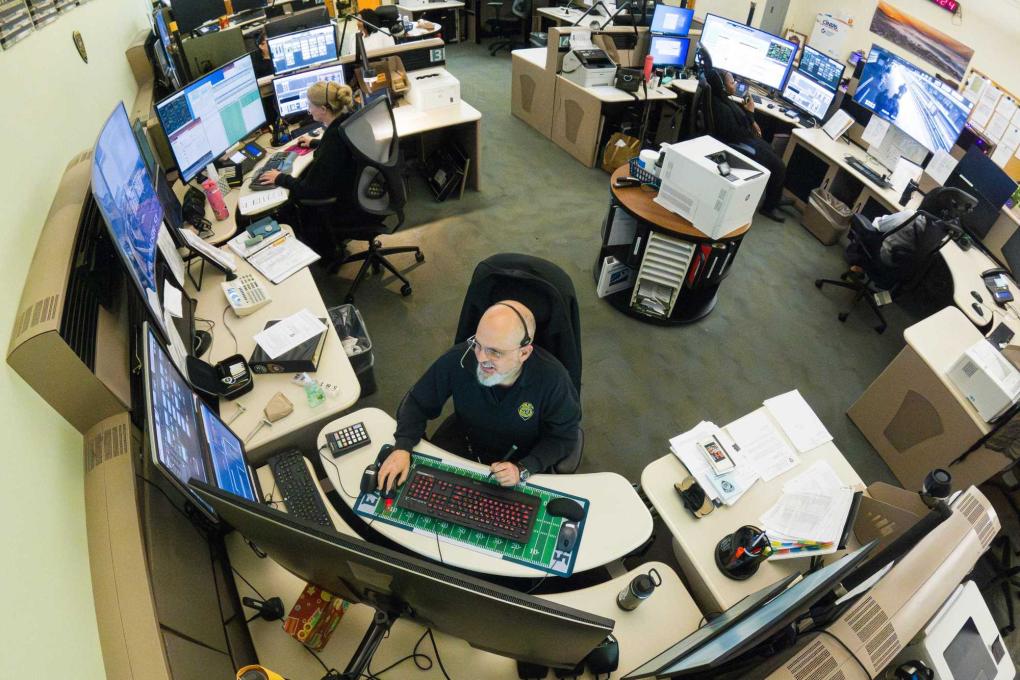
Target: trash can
{"x": 826, "y": 217}
{"x": 354, "y": 336}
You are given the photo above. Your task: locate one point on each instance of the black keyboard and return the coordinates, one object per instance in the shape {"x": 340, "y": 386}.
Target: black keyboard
{"x": 281, "y": 160}
{"x": 507, "y": 513}
{"x": 300, "y": 494}
{"x": 860, "y": 167}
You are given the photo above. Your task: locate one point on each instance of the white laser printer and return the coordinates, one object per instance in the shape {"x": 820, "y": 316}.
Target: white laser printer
{"x": 589, "y": 67}
{"x": 710, "y": 185}
{"x": 986, "y": 379}
{"x": 432, "y": 88}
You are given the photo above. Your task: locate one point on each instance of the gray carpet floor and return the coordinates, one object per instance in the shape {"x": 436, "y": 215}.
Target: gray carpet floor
{"x": 771, "y": 331}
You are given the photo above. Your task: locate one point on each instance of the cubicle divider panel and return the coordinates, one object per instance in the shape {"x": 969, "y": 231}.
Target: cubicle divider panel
{"x": 532, "y": 93}
{"x": 576, "y": 123}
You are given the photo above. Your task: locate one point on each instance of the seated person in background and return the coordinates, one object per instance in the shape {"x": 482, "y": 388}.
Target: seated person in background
{"x": 374, "y": 39}
{"x": 331, "y": 173}
{"x": 512, "y": 401}
{"x": 261, "y": 61}
{"x": 734, "y": 124}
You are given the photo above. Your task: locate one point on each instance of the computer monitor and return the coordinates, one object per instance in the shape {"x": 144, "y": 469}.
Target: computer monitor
{"x": 190, "y": 14}
{"x": 485, "y": 615}
{"x": 1011, "y": 254}
{"x": 248, "y": 5}
{"x": 292, "y": 91}
{"x": 124, "y": 191}
{"x": 748, "y": 52}
{"x": 983, "y": 179}
{"x": 669, "y": 20}
{"x": 807, "y": 94}
{"x": 293, "y": 51}
{"x": 723, "y": 647}
{"x": 919, "y": 104}
{"x": 669, "y": 51}
{"x": 186, "y": 439}
{"x": 821, "y": 68}
{"x": 164, "y": 48}
{"x": 297, "y": 21}
{"x": 211, "y": 114}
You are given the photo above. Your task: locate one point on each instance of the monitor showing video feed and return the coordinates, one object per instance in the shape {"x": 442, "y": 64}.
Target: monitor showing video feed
{"x": 748, "y": 52}
{"x": 923, "y": 107}
{"x": 671, "y": 20}
{"x": 299, "y": 50}
{"x": 821, "y": 68}
{"x": 668, "y": 51}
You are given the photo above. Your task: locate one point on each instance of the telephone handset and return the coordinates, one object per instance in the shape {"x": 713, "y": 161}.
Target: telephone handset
{"x": 245, "y": 294}
{"x": 997, "y": 283}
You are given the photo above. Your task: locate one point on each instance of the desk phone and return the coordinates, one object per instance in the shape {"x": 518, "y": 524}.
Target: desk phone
{"x": 245, "y": 294}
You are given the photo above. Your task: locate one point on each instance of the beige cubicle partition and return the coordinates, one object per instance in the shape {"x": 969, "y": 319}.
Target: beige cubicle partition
{"x": 576, "y": 121}
{"x": 532, "y": 89}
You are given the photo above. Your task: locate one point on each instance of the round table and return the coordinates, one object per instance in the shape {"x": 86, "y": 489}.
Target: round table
{"x": 702, "y": 261}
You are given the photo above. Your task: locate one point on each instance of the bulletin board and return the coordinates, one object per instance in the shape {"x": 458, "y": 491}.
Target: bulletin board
{"x": 996, "y": 115}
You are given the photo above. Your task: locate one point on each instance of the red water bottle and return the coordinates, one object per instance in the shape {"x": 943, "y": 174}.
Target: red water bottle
{"x": 648, "y": 68}
{"x": 212, "y": 192}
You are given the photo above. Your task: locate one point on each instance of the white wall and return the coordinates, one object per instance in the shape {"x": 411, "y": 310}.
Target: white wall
{"x": 990, "y": 27}
{"x": 53, "y": 105}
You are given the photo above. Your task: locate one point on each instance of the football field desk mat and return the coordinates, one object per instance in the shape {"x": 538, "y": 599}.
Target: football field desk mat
{"x": 540, "y": 552}
{"x": 617, "y": 522}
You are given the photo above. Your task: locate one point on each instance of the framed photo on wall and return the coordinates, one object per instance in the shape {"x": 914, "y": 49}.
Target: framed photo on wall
{"x": 798, "y": 39}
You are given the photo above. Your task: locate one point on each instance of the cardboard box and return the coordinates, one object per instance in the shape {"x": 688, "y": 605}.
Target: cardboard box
{"x": 693, "y": 187}
{"x": 532, "y": 89}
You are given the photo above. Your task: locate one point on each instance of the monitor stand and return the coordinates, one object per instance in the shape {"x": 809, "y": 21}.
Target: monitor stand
{"x": 377, "y": 630}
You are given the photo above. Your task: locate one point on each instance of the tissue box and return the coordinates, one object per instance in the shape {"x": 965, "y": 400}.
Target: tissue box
{"x": 432, "y": 88}
{"x": 314, "y": 616}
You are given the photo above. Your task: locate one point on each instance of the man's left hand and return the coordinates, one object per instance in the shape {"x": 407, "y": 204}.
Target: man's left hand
{"x": 507, "y": 474}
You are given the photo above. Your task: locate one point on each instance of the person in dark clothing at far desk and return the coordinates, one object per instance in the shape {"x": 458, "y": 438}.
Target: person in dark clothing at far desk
{"x": 734, "y": 124}
{"x": 516, "y": 407}
{"x": 331, "y": 173}
{"x": 262, "y": 62}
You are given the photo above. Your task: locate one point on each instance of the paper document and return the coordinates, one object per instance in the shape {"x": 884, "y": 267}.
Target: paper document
{"x": 221, "y": 257}
{"x": 169, "y": 249}
{"x": 581, "y": 40}
{"x": 173, "y": 301}
{"x": 286, "y": 334}
{"x": 996, "y": 127}
{"x": 809, "y": 517}
{"x": 1002, "y": 154}
{"x": 762, "y": 445}
{"x": 940, "y": 166}
{"x": 874, "y": 133}
{"x": 819, "y": 478}
{"x": 178, "y": 350}
{"x": 237, "y": 243}
{"x": 903, "y": 173}
{"x": 726, "y": 488}
{"x": 838, "y": 124}
{"x": 798, "y": 421}
{"x": 283, "y": 258}
{"x": 257, "y": 201}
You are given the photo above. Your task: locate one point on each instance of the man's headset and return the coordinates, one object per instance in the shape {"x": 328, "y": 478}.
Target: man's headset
{"x": 525, "y": 341}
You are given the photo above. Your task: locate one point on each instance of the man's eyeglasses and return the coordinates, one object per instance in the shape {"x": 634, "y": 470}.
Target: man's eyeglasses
{"x": 489, "y": 352}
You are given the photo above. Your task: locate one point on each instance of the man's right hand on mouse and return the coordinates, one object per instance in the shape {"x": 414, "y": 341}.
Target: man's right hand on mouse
{"x": 393, "y": 472}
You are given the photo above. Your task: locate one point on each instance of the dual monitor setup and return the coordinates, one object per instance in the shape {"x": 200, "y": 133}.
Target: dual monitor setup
{"x": 669, "y": 46}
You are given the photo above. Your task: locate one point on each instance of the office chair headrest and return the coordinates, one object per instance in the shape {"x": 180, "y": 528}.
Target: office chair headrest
{"x": 948, "y": 203}
{"x": 716, "y": 82}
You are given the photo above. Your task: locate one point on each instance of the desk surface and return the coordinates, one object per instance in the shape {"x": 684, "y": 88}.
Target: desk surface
{"x": 296, "y": 293}
{"x": 607, "y": 94}
{"x": 532, "y": 55}
{"x": 411, "y": 121}
{"x": 300, "y": 163}
{"x": 617, "y": 523}
{"x": 965, "y": 268}
{"x": 666, "y": 617}
{"x": 695, "y": 539}
{"x": 817, "y": 139}
{"x": 561, "y": 14}
{"x": 638, "y": 200}
{"x": 431, "y": 6}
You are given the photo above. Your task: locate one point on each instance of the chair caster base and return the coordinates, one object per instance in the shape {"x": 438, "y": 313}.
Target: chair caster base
{"x": 419, "y": 256}
{"x": 405, "y": 290}
{"x": 818, "y": 283}
{"x": 843, "y": 317}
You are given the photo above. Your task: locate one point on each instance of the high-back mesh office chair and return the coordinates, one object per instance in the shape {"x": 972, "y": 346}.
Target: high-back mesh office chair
{"x": 515, "y": 29}
{"x": 895, "y": 260}
{"x": 545, "y": 289}
{"x": 371, "y": 135}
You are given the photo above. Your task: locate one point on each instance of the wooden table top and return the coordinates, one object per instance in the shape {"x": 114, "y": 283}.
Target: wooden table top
{"x": 638, "y": 201}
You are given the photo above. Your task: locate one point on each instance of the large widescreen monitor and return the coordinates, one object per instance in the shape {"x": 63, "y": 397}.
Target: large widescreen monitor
{"x": 485, "y": 615}
{"x": 302, "y": 49}
{"x": 669, "y": 20}
{"x": 925, "y": 108}
{"x": 186, "y": 439}
{"x": 669, "y": 51}
{"x": 807, "y": 94}
{"x": 748, "y": 52}
{"x": 124, "y": 191}
{"x": 190, "y": 14}
{"x": 292, "y": 91}
{"x": 821, "y": 68}
{"x": 211, "y": 114}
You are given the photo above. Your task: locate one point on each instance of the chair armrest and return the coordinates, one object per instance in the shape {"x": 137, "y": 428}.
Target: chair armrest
{"x": 316, "y": 202}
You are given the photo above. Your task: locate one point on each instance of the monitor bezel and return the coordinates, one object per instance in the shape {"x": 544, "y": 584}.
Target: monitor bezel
{"x": 686, "y": 49}
{"x": 306, "y": 72}
{"x": 842, "y": 72}
{"x": 252, "y": 478}
{"x": 828, "y": 107}
{"x": 283, "y": 36}
{"x": 690, "y": 20}
{"x": 183, "y": 93}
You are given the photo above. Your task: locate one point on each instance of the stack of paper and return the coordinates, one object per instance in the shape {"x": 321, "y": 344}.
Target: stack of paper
{"x": 282, "y": 258}
{"x": 810, "y": 516}
{"x": 721, "y": 489}
{"x": 238, "y": 246}
{"x": 798, "y": 420}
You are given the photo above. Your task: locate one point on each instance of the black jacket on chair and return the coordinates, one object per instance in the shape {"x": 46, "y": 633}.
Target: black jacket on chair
{"x": 543, "y": 288}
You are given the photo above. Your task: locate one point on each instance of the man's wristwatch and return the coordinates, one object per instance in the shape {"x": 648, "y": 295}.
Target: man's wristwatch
{"x": 523, "y": 472}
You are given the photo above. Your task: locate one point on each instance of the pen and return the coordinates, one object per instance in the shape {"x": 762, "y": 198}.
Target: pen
{"x": 509, "y": 454}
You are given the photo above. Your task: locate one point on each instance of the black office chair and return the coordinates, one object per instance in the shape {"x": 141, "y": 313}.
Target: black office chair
{"x": 548, "y": 292}
{"x": 380, "y": 191}
{"x": 894, "y": 261}
{"x": 506, "y": 26}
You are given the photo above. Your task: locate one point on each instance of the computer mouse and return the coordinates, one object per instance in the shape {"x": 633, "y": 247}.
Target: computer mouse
{"x": 567, "y": 538}
{"x": 202, "y": 341}
{"x": 384, "y": 452}
{"x": 771, "y": 106}
{"x": 977, "y": 308}
{"x": 368, "y": 478}
{"x": 564, "y": 507}
{"x": 605, "y": 658}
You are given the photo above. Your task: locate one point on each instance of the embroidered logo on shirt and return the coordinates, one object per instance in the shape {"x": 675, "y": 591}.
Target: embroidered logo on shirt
{"x": 526, "y": 410}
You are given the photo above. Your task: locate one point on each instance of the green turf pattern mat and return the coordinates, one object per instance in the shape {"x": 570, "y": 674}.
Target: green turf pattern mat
{"x": 539, "y": 553}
